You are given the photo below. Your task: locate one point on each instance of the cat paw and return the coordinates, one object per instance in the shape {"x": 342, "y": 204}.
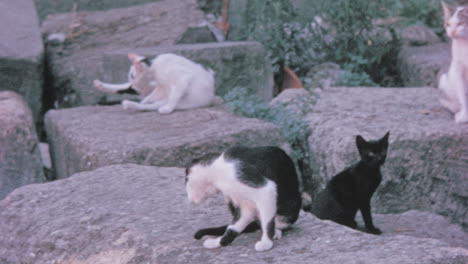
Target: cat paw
{"x": 461, "y": 117}
{"x": 212, "y": 243}
{"x": 165, "y": 109}
{"x": 278, "y": 234}
{"x": 126, "y": 104}
{"x": 263, "y": 245}
{"x": 374, "y": 231}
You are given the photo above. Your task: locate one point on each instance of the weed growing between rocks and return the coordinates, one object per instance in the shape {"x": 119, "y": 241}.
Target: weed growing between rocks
{"x": 293, "y": 127}
{"x": 340, "y": 31}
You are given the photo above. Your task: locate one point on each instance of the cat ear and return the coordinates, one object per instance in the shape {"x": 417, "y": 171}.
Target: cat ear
{"x": 448, "y": 10}
{"x": 360, "y": 142}
{"x": 385, "y": 138}
{"x": 133, "y": 57}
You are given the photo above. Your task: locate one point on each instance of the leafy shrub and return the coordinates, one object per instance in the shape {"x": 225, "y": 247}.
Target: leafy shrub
{"x": 294, "y": 129}
{"x": 339, "y": 31}
{"x": 427, "y": 12}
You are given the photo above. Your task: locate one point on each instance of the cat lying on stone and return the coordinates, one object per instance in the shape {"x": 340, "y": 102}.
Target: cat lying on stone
{"x": 352, "y": 189}
{"x": 260, "y": 186}
{"x": 454, "y": 83}
{"x": 167, "y": 82}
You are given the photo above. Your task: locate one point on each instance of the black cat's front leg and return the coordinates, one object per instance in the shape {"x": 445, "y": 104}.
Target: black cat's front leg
{"x": 212, "y": 231}
{"x": 366, "y": 215}
{"x": 232, "y": 231}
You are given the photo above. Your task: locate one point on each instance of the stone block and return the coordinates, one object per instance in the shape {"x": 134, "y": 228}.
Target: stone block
{"x": 21, "y": 52}
{"x": 88, "y": 51}
{"x": 47, "y": 7}
{"x": 427, "y": 160}
{"x": 20, "y": 161}
{"x": 140, "y": 214}
{"x": 422, "y": 66}
{"x": 85, "y": 138}
{"x": 78, "y": 60}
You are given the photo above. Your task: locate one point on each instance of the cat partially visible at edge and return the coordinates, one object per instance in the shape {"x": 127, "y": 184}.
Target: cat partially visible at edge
{"x": 352, "y": 189}
{"x": 454, "y": 83}
{"x": 167, "y": 82}
{"x": 260, "y": 186}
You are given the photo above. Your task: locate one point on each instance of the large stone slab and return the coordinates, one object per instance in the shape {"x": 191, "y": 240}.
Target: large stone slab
{"x": 422, "y": 66}
{"x": 84, "y": 55}
{"x": 85, "y": 138}
{"x": 139, "y": 214}
{"x": 427, "y": 162}
{"x": 20, "y": 161}
{"x": 21, "y": 52}
{"x": 46, "y": 7}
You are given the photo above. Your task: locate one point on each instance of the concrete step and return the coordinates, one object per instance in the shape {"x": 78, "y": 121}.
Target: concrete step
{"x": 85, "y": 138}
{"x": 140, "y": 214}
{"x": 427, "y": 161}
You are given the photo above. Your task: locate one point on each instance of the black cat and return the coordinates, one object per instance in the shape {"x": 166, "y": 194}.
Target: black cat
{"x": 261, "y": 187}
{"x": 352, "y": 189}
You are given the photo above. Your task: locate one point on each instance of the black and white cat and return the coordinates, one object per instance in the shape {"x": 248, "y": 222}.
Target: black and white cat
{"x": 352, "y": 189}
{"x": 260, "y": 186}
{"x": 167, "y": 82}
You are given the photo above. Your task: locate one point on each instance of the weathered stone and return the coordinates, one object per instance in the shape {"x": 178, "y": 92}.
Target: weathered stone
{"x": 99, "y": 36}
{"x": 21, "y": 52}
{"x": 427, "y": 161}
{"x": 417, "y": 35}
{"x": 422, "y": 66}
{"x": 46, "y": 7}
{"x": 419, "y": 224}
{"x": 90, "y": 34}
{"x": 201, "y": 34}
{"x": 20, "y": 161}
{"x": 297, "y": 100}
{"x": 86, "y": 138}
{"x": 324, "y": 75}
{"x": 140, "y": 214}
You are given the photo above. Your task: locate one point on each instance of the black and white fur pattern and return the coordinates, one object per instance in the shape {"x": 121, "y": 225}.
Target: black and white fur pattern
{"x": 260, "y": 186}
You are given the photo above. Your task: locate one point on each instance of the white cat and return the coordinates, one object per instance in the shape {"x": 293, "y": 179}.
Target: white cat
{"x": 167, "y": 82}
{"x": 454, "y": 83}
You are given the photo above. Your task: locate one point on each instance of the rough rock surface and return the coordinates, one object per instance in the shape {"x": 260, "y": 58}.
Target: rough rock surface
{"x": 419, "y": 224}
{"x": 21, "y": 52}
{"x": 427, "y": 161}
{"x": 99, "y": 36}
{"x": 46, "y": 7}
{"x": 422, "y": 66}
{"x": 90, "y": 34}
{"x": 85, "y": 138}
{"x": 20, "y": 161}
{"x": 138, "y": 214}
{"x": 417, "y": 35}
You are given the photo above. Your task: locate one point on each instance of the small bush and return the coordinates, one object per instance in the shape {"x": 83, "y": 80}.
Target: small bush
{"x": 294, "y": 129}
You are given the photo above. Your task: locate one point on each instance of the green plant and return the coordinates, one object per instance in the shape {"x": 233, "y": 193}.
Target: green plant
{"x": 294, "y": 129}
{"x": 427, "y": 12}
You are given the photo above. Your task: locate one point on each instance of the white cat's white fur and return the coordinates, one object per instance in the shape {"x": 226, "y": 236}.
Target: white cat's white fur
{"x": 254, "y": 203}
{"x": 170, "y": 82}
{"x": 454, "y": 83}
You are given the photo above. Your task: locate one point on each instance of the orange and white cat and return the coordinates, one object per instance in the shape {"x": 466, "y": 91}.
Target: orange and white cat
{"x": 454, "y": 83}
{"x": 167, "y": 82}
